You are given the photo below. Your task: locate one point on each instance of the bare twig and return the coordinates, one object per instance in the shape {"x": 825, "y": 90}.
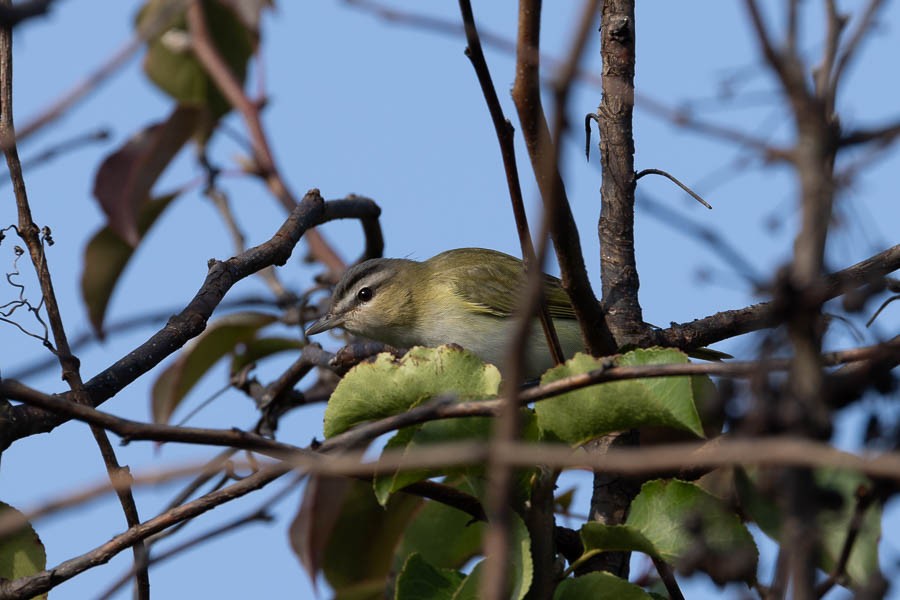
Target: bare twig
{"x": 92, "y": 82}
{"x": 505, "y": 132}
{"x": 671, "y": 178}
{"x": 527, "y": 97}
{"x": 851, "y": 47}
{"x": 28, "y": 587}
{"x": 59, "y": 148}
{"x": 257, "y": 516}
{"x": 221, "y": 74}
{"x": 730, "y": 323}
{"x": 12, "y": 15}
{"x": 864, "y": 499}
{"x": 34, "y": 240}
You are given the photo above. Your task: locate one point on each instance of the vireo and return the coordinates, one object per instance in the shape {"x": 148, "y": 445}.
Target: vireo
{"x": 464, "y": 296}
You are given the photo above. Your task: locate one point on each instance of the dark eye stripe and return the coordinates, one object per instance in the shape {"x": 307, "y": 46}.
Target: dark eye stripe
{"x": 364, "y": 270}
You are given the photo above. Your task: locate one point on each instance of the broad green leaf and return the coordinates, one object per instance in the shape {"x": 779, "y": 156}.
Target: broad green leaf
{"x": 443, "y": 536}
{"x": 599, "y": 586}
{"x": 520, "y": 570}
{"x": 388, "y": 386}
{"x": 257, "y": 349}
{"x": 172, "y": 66}
{"x": 418, "y": 580}
{"x": 832, "y": 524}
{"x": 22, "y": 553}
{"x": 106, "y": 257}
{"x": 360, "y": 549}
{"x": 522, "y": 567}
{"x": 197, "y": 357}
{"x": 470, "y": 588}
{"x": 449, "y": 430}
{"x": 585, "y": 414}
{"x": 126, "y": 177}
{"x": 669, "y": 518}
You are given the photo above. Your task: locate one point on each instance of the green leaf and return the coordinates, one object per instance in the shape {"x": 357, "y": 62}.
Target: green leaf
{"x": 409, "y": 439}
{"x": 257, "y": 349}
{"x": 669, "y": 519}
{"x": 387, "y": 386}
{"x": 359, "y": 551}
{"x": 197, "y": 357}
{"x": 435, "y": 432}
{"x": 443, "y": 536}
{"x": 172, "y": 66}
{"x": 22, "y": 554}
{"x": 126, "y": 177}
{"x": 470, "y": 588}
{"x": 832, "y": 524}
{"x": 585, "y": 414}
{"x": 520, "y": 571}
{"x": 418, "y": 580}
{"x": 106, "y": 257}
{"x": 599, "y": 586}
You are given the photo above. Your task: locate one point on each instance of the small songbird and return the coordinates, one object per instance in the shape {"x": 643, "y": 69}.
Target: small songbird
{"x": 465, "y": 296}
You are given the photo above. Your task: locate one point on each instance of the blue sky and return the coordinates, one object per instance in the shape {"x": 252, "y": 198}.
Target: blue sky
{"x": 359, "y": 105}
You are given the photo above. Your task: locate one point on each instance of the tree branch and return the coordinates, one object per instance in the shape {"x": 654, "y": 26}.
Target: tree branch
{"x": 191, "y": 321}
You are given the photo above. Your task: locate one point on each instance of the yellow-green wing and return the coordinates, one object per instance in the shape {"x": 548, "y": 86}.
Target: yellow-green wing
{"x": 491, "y": 282}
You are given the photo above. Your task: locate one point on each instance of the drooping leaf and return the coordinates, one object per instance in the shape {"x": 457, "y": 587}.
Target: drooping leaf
{"x": 520, "y": 570}
{"x": 125, "y": 178}
{"x": 106, "y": 257}
{"x": 359, "y": 553}
{"x": 445, "y": 537}
{"x": 673, "y": 519}
{"x": 599, "y": 586}
{"x": 171, "y": 65}
{"x": 387, "y": 386}
{"x": 21, "y": 554}
{"x": 197, "y": 357}
{"x": 418, "y": 580}
{"x": 257, "y": 349}
{"x": 833, "y": 525}
{"x": 585, "y": 414}
{"x": 312, "y": 526}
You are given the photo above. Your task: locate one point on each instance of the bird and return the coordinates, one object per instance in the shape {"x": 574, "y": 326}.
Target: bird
{"x": 464, "y": 296}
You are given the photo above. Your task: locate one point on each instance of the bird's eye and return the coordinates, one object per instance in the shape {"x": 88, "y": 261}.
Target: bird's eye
{"x": 364, "y": 294}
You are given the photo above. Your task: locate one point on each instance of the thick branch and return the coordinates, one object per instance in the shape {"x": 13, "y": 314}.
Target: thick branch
{"x": 731, "y": 323}
{"x": 526, "y": 94}
{"x": 191, "y": 321}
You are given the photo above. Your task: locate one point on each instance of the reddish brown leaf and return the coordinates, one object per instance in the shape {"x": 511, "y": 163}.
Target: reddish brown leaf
{"x": 125, "y": 178}
{"x": 310, "y": 531}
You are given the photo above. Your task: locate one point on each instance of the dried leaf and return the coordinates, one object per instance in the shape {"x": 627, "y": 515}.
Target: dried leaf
{"x": 124, "y": 180}
{"x": 105, "y": 259}
{"x": 310, "y": 531}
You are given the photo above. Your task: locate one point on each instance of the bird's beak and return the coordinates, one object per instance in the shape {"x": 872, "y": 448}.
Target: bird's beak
{"x": 327, "y": 322}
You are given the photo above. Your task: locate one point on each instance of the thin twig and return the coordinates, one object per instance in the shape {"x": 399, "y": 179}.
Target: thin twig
{"x": 671, "y": 178}
{"x": 864, "y": 499}
{"x": 536, "y": 133}
{"x": 216, "y": 67}
{"x": 69, "y": 363}
{"x": 504, "y": 130}
{"x": 258, "y": 516}
{"x": 39, "y": 583}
